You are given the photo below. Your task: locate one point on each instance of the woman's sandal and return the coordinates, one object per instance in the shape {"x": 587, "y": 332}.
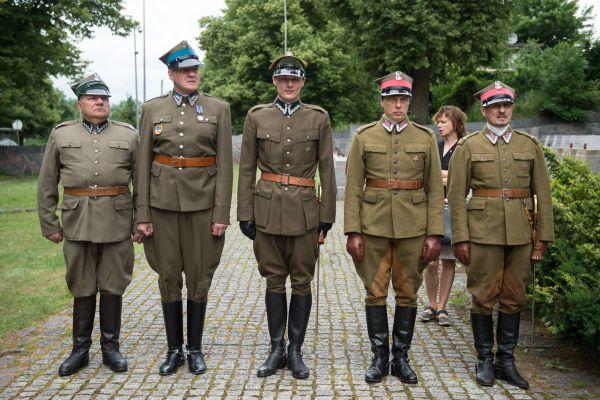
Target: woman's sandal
{"x": 427, "y": 314}
{"x": 443, "y": 318}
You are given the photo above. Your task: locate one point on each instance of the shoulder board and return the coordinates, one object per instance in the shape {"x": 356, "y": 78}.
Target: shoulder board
{"x": 315, "y": 107}
{"x": 66, "y": 123}
{"x": 213, "y": 97}
{"x": 260, "y": 106}
{"x": 124, "y": 124}
{"x": 424, "y": 128}
{"x": 529, "y": 135}
{"x": 162, "y": 96}
{"x": 465, "y": 138}
{"x": 365, "y": 127}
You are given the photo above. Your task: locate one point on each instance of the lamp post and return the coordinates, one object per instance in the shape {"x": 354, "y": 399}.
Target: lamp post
{"x": 135, "y": 54}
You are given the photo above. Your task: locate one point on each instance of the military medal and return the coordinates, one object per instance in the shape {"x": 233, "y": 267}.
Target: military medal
{"x": 415, "y": 158}
{"x": 199, "y": 112}
{"x": 157, "y": 129}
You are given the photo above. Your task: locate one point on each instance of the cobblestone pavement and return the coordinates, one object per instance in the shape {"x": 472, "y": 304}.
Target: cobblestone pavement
{"x": 236, "y": 343}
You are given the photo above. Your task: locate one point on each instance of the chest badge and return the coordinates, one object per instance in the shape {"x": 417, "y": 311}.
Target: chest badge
{"x": 415, "y": 158}
{"x": 199, "y": 111}
{"x": 158, "y": 129}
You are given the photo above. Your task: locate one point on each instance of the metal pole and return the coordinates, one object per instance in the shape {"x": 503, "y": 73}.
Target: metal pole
{"x": 284, "y": 26}
{"x": 135, "y": 54}
{"x": 144, "y": 42}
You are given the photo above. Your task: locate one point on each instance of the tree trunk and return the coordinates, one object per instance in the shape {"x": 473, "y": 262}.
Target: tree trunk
{"x": 420, "y": 100}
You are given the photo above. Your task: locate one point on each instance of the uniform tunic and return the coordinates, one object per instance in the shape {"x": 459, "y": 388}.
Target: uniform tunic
{"x": 182, "y": 203}
{"x": 286, "y": 216}
{"x": 97, "y": 230}
{"x": 498, "y": 228}
{"x": 393, "y": 223}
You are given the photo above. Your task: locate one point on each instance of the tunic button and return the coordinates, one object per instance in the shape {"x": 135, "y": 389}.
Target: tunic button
{"x": 180, "y": 168}
{"x": 288, "y": 128}
{"x": 287, "y": 152}
{"x": 161, "y": 120}
{"x": 288, "y": 140}
{"x": 287, "y": 165}
{"x": 95, "y": 174}
{"x": 396, "y": 141}
{"x": 180, "y": 122}
{"x": 268, "y": 135}
{"x": 181, "y": 146}
{"x": 504, "y": 160}
{"x": 286, "y": 189}
{"x": 95, "y": 141}
{"x": 180, "y": 133}
{"x": 308, "y": 137}
{"x": 505, "y": 179}
{"x": 182, "y": 113}
{"x": 95, "y": 151}
{"x": 95, "y": 161}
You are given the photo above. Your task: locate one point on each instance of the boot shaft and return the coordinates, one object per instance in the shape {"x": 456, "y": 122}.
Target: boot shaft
{"x": 378, "y": 329}
{"x": 173, "y": 316}
{"x": 483, "y": 335}
{"x": 299, "y": 314}
{"x": 507, "y": 335}
{"x": 196, "y": 313}
{"x": 111, "y": 306}
{"x": 404, "y": 327}
{"x": 276, "y": 306}
{"x": 84, "y": 310}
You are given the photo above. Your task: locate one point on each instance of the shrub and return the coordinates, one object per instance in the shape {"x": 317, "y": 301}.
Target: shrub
{"x": 569, "y": 277}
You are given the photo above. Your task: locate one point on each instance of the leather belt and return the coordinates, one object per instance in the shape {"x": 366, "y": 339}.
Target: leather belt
{"x": 504, "y": 193}
{"x": 394, "y": 184}
{"x": 286, "y": 179}
{"x": 185, "y": 161}
{"x": 97, "y": 191}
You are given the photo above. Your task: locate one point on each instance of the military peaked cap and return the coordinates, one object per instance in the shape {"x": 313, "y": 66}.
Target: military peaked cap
{"x": 395, "y": 84}
{"x": 91, "y": 85}
{"x": 288, "y": 65}
{"x": 496, "y": 92}
{"x": 180, "y": 56}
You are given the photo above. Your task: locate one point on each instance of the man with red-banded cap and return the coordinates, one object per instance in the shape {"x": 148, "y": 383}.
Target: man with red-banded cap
{"x": 287, "y": 140}
{"x": 492, "y": 233}
{"x": 394, "y": 219}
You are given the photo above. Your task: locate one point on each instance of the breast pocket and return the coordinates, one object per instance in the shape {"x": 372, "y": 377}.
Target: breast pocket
{"x": 267, "y": 143}
{"x": 208, "y": 125}
{"x": 70, "y": 151}
{"x": 119, "y": 152}
{"x": 308, "y": 145}
{"x": 376, "y": 156}
{"x": 483, "y": 165}
{"x": 161, "y": 124}
{"x": 416, "y": 154}
{"x": 522, "y": 164}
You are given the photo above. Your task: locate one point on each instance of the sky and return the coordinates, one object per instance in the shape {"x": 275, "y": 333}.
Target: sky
{"x": 167, "y": 23}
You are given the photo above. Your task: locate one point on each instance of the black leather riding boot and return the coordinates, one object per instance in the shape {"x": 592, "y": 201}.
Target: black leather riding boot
{"x": 196, "y": 311}
{"x": 379, "y": 333}
{"x": 276, "y": 306}
{"x": 173, "y": 314}
{"x": 402, "y": 333}
{"x": 84, "y": 309}
{"x": 110, "y": 329}
{"x": 297, "y": 322}
{"x": 507, "y": 337}
{"x": 483, "y": 338}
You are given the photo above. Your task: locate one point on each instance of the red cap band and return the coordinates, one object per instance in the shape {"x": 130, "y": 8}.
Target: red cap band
{"x": 494, "y": 92}
{"x": 388, "y": 84}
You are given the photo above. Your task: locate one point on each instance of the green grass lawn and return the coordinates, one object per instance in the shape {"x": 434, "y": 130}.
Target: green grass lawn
{"x": 32, "y": 269}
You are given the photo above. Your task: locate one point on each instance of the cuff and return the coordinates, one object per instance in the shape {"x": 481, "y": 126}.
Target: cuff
{"x": 142, "y": 215}
{"x": 221, "y": 215}
{"x": 245, "y": 213}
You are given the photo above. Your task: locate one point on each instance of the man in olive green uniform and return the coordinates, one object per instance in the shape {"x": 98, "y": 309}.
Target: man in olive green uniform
{"x": 94, "y": 159}
{"x": 185, "y": 178}
{"x": 287, "y": 140}
{"x": 491, "y": 234}
{"x": 393, "y": 216}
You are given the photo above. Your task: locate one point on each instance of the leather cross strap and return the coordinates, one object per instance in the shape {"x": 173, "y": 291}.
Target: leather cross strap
{"x": 394, "y": 184}
{"x": 285, "y": 179}
{"x": 97, "y": 191}
{"x": 185, "y": 161}
{"x": 504, "y": 193}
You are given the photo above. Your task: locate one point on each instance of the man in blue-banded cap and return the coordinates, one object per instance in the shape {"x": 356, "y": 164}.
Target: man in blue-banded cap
{"x": 95, "y": 160}
{"x": 185, "y": 178}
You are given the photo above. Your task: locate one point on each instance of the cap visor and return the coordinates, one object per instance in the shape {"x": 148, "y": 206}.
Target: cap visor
{"x": 190, "y": 62}
{"x": 501, "y": 100}
{"x": 96, "y": 92}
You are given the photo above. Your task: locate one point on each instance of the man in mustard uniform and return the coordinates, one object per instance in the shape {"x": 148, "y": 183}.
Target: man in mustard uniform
{"x": 491, "y": 234}
{"x": 394, "y": 219}
{"x": 287, "y": 140}
{"x": 185, "y": 178}
{"x": 94, "y": 159}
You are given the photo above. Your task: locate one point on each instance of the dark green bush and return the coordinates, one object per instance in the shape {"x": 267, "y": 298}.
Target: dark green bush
{"x": 568, "y": 279}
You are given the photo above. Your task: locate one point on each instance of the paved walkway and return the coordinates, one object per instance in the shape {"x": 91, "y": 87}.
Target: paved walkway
{"x": 236, "y": 343}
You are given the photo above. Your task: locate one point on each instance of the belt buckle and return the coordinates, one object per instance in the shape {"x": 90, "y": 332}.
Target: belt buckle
{"x": 286, "y": 181}
{"x": 174, "y": 161}
{"x": 504, "y": 196}
{"x": 93, "y": 189}
{"x": 389, "y": 184}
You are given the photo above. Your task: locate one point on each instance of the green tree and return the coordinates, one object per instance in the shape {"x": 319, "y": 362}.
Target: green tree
{"x": 549, "y": 22}
{"x": 37, "y": 40}
{"x": 124, "y": 111}
{"x": 422, "y": 37}
{"x": 553, "y": 80}
{"x": 241, "y": 44}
